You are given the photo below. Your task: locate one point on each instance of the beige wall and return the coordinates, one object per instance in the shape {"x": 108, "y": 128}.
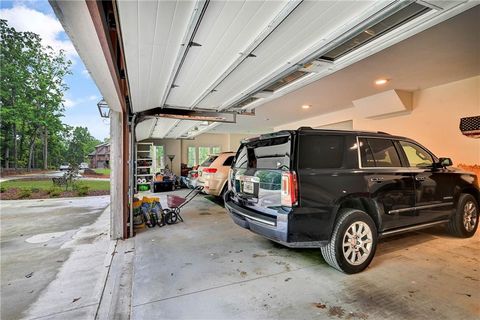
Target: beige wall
{"x": 235, "y": 139}
{"x": 205, "y": 140}
{"x": 226, "y": 142}
{"x": 434, "y": 120}
{"x": 172, "y": 147}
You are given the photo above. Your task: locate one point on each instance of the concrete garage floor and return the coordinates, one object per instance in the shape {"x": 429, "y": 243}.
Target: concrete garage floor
{"x": 210, "y": 268}
{"x": 54, "y": 257}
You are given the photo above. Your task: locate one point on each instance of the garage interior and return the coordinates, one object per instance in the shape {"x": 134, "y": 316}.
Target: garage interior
{"x": 185, "y": 75}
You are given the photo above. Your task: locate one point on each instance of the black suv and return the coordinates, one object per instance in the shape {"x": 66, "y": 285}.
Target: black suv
{"x": 342, "y": 190}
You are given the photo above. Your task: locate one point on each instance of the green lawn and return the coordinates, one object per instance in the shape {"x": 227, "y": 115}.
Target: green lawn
{"x": 93, "y": 185}
{"x": 103, "y": 171}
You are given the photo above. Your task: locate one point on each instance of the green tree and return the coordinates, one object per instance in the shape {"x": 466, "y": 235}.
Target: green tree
{"x": 31, "y": 96}
{"x": 81, "y": 144}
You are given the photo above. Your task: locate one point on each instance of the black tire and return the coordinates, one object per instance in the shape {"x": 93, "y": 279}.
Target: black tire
{"x": 464, "y": 222}
{"x": 224, "y": 190}
{"x": 154, "y": 218}
{"x": 363, "y": 248}
{"x": 171, "y": 217}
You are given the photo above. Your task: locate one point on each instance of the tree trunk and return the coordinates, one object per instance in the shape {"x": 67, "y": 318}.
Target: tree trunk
{"x": 22, "y": 140}
{"x": 7, "y": 156}
{"x": 15, "y": 149}
{"x": 31, "y": 149}
{"x": 6, "y": 150}
{"x": 45, "y": 149}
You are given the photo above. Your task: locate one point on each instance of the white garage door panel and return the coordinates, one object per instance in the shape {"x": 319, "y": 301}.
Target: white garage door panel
{"x": 152, "y": 37}
{"x": 143, "y": 129}
{"x": 227, "y": 29}
{"x": 311, "y": 22}
{"x": 182, "y": 127}
{"x": 162, "y": 127}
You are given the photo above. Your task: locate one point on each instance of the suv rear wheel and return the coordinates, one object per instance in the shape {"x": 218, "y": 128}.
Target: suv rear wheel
{"x": 464, "y": 222}
{"x": 353, "y": 242}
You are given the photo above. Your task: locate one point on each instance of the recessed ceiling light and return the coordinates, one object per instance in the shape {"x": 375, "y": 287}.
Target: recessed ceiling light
{"x": 380, "y": 82}
{"x": 306, "y": 106}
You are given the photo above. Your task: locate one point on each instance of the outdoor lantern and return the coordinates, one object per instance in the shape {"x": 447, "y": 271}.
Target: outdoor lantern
{"x": 103, "y": 108}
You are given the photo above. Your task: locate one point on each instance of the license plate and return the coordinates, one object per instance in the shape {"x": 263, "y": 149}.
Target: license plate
{"x": 248, "y": 187}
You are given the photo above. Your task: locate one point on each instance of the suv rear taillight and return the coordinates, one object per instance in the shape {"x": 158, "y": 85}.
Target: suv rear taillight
{"x": 289, "y": 188}
{"x": 209, "y": 170}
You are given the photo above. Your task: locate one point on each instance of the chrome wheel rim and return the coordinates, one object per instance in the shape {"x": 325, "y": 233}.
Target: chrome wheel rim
{"x": 357, "y": 243}
{"x": 470, "y": 216}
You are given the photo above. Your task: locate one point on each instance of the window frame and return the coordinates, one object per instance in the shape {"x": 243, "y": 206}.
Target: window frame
{"x": 404, "y": 155}
{"x": 195, "y": 158}
{"x": 401, "y": 154}
{"x": 395, "y": 145}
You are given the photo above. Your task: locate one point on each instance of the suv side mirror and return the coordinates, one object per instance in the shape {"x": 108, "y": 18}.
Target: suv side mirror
{"x": 445, "y": 162}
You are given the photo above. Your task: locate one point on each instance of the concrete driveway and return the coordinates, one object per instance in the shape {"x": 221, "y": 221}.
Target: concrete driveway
{"x": 54, "y": 257}
{"x": 209, "y": 268}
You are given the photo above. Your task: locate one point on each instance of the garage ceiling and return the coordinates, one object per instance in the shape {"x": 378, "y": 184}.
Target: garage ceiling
{"x": 219, "y": 55}
{"x": 445, "y": 53}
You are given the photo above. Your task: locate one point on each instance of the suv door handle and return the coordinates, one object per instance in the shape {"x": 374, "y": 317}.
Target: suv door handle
{"x": 377, "y": 179}
{"x": 420, "y": 178}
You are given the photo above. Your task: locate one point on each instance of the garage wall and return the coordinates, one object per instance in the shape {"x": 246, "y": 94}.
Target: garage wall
{"x": 227, "y": 142}
{"x": 433, "y": 122}
{"x": 205, "y": 140}
{"x": 235, "y": 139}
{"x": 172, "y": 147}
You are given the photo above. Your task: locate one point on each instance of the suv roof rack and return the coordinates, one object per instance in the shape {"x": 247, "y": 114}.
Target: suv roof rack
{"x": 382, "y": 132}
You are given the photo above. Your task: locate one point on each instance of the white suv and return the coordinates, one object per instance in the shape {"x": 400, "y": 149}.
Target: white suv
{"x": 213, "y": 173}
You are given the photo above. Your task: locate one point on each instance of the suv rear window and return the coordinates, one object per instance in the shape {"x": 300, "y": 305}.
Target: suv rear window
{"x": 209, "y": 161}
{"x": 379, "y": 153}
{"x": 265, "y": 154}
{"x": 321, "y": 151}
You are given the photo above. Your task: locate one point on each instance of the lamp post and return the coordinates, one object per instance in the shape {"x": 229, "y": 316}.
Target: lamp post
{"x": 103, "y": 109}
{"x": 171, "y": 157}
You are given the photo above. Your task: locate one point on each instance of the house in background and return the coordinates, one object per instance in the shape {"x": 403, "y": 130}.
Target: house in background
{"x": 100, "y": 158}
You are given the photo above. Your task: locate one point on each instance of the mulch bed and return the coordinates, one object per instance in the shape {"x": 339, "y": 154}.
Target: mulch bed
{"x": 14, "y": 194}
{"x": 106, "y": 176}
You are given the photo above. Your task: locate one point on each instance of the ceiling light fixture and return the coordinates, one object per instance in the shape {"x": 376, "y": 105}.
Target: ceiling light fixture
{"x": 381, "y": 82}
{"x": 306, "y": 106}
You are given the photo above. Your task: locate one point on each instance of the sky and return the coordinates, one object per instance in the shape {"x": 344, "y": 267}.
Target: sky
{"x": 82, "y": 96}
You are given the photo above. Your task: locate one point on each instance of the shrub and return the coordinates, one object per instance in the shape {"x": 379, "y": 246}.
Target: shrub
{"x": 54, "y": 191}
{"x": 2, "y": 189}
{"x": 34, "y": 189}
{"x": 25, "y": 193}
{"x": 82, "y": 190}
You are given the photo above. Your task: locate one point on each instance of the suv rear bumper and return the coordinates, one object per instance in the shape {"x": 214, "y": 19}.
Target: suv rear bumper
{"x": 275, "y": 229}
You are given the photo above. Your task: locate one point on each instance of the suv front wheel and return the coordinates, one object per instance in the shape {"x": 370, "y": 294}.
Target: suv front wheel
{"x": 464, "y": 222}
{"x": 353, "y": 242}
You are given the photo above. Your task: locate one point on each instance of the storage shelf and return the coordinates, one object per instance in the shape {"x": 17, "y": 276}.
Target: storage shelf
{"x": 145, "y": 158}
